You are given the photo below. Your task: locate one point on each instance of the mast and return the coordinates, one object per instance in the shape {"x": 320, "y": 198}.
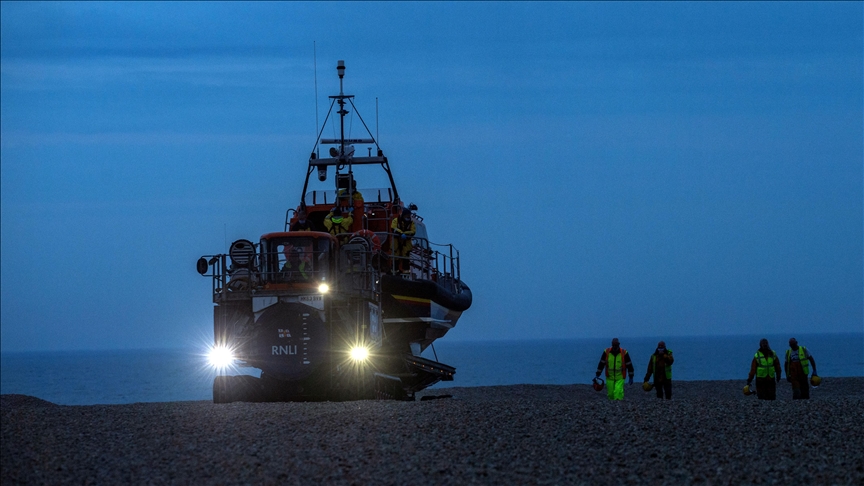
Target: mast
{"x": 338, "y": 157}
{"x": 340, "y": 70}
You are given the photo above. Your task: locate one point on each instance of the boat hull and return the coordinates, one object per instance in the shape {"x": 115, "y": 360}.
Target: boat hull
{"x": 417, "y": 312}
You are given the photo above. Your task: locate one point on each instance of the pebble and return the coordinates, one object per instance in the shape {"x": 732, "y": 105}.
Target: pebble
{"x": 709, "y": 433}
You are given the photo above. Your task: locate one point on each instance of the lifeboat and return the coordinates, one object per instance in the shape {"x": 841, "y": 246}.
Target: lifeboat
{"x": 343, "y": 300}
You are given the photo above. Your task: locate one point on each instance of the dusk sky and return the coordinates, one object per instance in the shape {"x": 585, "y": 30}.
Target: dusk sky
{"x": 605, "y": 169}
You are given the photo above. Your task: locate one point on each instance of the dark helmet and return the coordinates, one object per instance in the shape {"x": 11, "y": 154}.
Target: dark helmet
{"x": 598, "y": 384}
{"x": 337, "y": 212}
{"x": 406, "y": 213}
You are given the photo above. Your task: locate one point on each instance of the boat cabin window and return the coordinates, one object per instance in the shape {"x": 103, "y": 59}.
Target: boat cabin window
{"x": 296, "y": 259}
{"x": 370, "y": 195}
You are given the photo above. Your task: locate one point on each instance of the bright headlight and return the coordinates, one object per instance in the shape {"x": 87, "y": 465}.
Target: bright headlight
{"x": 323, "y": 288}
{"x": 359, "y": 353}
{"x": 220, "y": 357}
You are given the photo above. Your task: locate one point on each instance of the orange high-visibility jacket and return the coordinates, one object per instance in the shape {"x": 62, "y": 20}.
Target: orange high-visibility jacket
{"x": 626, "y": 363}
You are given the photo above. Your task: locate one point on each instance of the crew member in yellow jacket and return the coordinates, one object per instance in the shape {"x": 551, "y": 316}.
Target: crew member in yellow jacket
{"x": 403, "y": 229}
{"x": 338, "y": 226}
{"x": 660, "y": 365}
{"x": 295, "y": 267}
{"x": 797, "y": 366}
{"x": 766, "y": 368}
{"x": 617, "y": 362}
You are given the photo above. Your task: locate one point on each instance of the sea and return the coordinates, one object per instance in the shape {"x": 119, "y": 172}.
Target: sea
{"x": 165, "y": 375}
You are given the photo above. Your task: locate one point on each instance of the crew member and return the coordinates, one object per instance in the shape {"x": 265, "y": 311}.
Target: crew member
{"x": 766, "y": 368}
{"x": 295, "y": 267}
{"x": 403, "y": 228}
{"x": 357, "y": 195}
{"x": 617, "y": 362}
{"x": 302, "y": 224}
{"x": 797, "y": 367}
{"x": 342, "y": 196}
{"x": 660, "y": 365}
{"x": 337, "y": 225}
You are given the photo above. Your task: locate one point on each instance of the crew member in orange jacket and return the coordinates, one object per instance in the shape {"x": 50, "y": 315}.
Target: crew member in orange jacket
{"x": 617, "y": 362}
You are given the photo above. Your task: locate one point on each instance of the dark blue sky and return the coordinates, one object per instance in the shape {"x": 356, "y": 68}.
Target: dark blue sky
{"x": 629, "y": 169}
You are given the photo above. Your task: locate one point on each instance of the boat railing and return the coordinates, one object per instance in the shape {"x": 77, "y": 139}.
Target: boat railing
{"x": 224, "y": 278}
{"x": 230, "y": 280}
{"x": 426, "y": 261}
{"x": 377, "y": 218}
{"x": 432, "y": 261}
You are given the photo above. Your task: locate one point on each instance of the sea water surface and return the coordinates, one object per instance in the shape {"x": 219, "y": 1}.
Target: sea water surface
{"x": 114, "y": 377}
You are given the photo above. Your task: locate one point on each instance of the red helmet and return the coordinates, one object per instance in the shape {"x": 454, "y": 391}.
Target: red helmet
{"x": 598, "y": 383}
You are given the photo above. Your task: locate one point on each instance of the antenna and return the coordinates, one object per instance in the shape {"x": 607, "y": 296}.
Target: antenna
{"x": 376, "y": 121}
{"x": 315, "y": 67}
{"x": 340, "y": 70}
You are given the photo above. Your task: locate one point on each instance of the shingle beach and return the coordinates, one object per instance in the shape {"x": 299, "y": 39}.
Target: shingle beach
{"x": 710, "y": 433}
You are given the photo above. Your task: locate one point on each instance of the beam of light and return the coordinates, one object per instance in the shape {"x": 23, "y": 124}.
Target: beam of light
{"x": 323, "y": 288}
{"x": 359, "y": 353}
{"x": 220, "y": 357}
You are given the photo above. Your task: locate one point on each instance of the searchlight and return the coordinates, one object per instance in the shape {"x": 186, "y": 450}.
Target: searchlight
{"x": 323, "y": 288}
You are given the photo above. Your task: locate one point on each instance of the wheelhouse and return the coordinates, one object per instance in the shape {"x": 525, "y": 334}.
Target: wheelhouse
{"x": 299, "y": 257}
